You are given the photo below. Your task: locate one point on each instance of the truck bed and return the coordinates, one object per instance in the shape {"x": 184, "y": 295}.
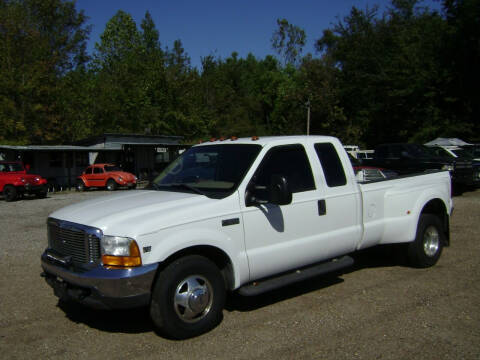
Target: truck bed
{"x": 393, "y": 223}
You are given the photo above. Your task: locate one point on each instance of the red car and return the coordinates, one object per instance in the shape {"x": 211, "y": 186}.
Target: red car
{"x": 15, "y": 182}
{"x": 105, "y": 175}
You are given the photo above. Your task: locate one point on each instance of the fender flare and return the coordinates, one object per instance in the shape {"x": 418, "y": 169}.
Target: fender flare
{"x": 186, "y": 241}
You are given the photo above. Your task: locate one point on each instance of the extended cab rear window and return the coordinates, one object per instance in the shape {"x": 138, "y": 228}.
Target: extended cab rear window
{"x": 331, "y": 164}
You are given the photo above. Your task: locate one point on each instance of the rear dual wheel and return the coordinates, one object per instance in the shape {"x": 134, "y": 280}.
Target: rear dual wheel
{"x": 427, "y": 247}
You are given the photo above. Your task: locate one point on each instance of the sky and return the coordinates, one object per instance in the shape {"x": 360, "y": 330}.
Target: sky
{"x": 219, "y": 28}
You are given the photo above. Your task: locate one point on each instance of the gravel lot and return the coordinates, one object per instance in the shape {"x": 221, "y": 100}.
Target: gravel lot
{"x": 381, "y": 309}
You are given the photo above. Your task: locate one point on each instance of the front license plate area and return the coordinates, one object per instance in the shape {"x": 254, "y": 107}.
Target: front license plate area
{"x": 60, "y": 288}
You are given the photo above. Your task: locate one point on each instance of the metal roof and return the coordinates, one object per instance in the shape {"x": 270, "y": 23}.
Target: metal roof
{"x": 105, "y": 142}
{"x": 48, "y": 147}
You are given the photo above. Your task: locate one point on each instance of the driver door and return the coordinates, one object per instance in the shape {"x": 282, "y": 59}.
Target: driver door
{"x": 279, "y": 238}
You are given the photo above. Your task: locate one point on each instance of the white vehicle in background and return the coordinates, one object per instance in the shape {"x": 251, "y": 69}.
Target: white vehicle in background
{"x": 355, "y": 151}
{"x": 248, "y": 215}
{"x": 365, "y": 154}
{"x": 351, "y": 149}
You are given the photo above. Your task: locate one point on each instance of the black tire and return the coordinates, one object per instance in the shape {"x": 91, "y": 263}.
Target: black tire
{"x": 10, "y": 193}
{"x": 42, "y": 194}
{"x": 111, "y": 185}
{"x": 80, "y": 185}
{"x": 188, "y": 298}
{"x": 427, "y": 247}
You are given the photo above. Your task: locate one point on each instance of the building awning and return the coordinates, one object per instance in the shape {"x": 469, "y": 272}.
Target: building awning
{"x": 447, "y": 142}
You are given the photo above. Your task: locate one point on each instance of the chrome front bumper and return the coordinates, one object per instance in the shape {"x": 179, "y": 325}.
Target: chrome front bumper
{"x": 100, "y": 287}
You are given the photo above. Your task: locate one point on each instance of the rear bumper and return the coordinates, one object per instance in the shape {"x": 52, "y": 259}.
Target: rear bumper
{"x": 100, "y": 287}
{"x": 132, "y": 183}
{"x": 463, "y": 178}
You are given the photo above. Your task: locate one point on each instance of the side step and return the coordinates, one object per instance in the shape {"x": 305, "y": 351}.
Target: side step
{"x": 259, "y": 287}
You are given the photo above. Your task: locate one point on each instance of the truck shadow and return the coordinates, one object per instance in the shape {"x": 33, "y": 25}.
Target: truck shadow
{"x": 380, "y": 256}
{"x": 237, "y": 302}
{"x": 132, "y": 321}
{"x": 138, "y": 320}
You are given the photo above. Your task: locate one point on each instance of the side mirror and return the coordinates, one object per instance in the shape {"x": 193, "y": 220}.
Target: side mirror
{"x": 279, "y": 192}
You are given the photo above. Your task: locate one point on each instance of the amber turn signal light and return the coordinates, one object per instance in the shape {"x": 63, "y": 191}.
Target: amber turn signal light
{"x": 124, "y": 261}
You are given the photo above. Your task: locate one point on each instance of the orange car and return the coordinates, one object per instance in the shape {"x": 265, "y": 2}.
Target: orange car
{"x": 105, "y": 175}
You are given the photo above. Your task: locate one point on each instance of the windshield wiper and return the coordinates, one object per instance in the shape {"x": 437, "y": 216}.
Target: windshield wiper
{"x": 179, "y": 185}
{"x": 189, "y": 187}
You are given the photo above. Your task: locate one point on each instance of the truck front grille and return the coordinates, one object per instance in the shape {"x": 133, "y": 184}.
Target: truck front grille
{"x": 80, "y": 242}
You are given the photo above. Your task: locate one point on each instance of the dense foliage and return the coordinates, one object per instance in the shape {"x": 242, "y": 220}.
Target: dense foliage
{"x": 408, "y": 74}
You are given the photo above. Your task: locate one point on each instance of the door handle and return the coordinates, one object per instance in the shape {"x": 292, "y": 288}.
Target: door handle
{"x": 322, "y": 207}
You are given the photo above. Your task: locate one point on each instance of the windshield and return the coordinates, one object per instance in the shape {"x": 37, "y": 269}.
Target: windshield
{"x": 438, "y": 151}
{"x": 463, "y": 152}
{"x": 213, "y": 170}
{"x": 112, "y": 168}
{"x": 11, "y": 167}
{"x": 476, "y": 150}
{"x": 420, "y": 151}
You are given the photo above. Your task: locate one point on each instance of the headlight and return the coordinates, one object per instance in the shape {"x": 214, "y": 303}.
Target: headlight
{"x": 120, "y": 178}
{"x": 448, "y": 167}
{"x": 22, "y": 179}
{"x": 120, "y": 251}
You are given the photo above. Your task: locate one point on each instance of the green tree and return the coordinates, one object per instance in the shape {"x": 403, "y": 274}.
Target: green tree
{"x": 288, "y": 41}
{"x": 317, "y": 85}
{"x": 461, "y": 58}
{"x": 41, "y": 41}
{"x": 119, "y": 94}
{"x": 152, "y": 62}
{"x": 391, "y": 77}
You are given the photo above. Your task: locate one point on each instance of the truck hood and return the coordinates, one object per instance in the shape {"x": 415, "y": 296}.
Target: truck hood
{"x": 139, "y": 212}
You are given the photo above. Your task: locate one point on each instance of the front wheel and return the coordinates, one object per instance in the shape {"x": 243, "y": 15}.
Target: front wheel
{"x": 80, "y": 185}
{"x": 427, "y": 247}
{"x": 111, "y": 185}
{"x": 188, "y": 297}
{"x": 9, "y": 193}
{"x": 42, "y": 194}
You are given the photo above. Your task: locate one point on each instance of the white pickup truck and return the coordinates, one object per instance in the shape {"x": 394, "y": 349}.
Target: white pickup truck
{"x": 247, "y": 215}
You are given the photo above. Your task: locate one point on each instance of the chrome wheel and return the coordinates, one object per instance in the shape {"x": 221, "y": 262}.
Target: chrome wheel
{"x": 431, "y": 241}
{"x": 188, "y": 297}
{"x": 193, "y": 298}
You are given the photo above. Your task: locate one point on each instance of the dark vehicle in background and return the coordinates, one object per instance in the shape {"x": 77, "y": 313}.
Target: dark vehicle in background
{"x": 404, "y": 158}
{"x": 473, "y": 150}
{"x": 15, "y": 182}
{"x": 461, "y": 155}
